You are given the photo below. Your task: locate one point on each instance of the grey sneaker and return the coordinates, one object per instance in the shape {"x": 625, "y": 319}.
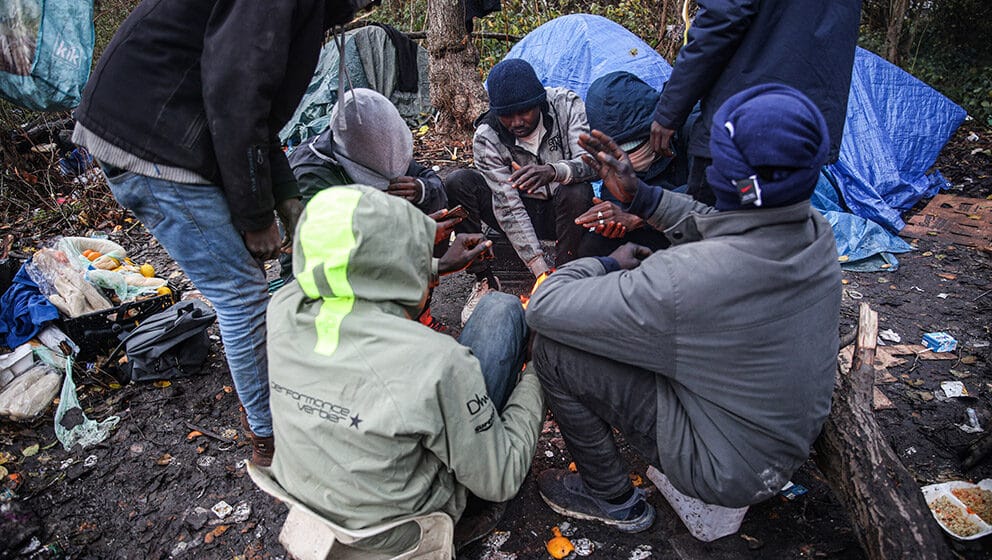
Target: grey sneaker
{"x": 565, "y": 493}
{"x": 481, "y": 288}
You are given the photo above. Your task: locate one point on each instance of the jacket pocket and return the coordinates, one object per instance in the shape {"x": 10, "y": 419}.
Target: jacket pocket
{"x": 194, "y": 131}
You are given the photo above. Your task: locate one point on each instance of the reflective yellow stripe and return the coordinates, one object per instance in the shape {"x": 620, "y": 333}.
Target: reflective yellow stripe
{"x": 327, "y": 238}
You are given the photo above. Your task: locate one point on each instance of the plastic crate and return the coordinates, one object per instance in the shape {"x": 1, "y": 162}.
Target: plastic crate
{"x": 98, "y": 333}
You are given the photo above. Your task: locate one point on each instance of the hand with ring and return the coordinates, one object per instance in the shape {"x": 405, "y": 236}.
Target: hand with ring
{"x": 608, "y": 220}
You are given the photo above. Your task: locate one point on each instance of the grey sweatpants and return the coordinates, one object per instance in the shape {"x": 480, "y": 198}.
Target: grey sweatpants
{"x": 589, "y": 396}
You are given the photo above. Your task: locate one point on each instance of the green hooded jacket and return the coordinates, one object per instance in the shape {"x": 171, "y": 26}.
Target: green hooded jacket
{"x": 377, "y": 417}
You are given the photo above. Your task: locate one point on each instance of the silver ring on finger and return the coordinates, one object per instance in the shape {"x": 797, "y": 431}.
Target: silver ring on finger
{"x": 601, "y": 222}
{"x": 599, "y": 214}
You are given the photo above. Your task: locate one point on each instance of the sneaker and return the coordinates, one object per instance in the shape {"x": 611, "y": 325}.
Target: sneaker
{"x": 481, "y": 288}
{"x": 565, "y": 493}
{"x": 262, "y": 448}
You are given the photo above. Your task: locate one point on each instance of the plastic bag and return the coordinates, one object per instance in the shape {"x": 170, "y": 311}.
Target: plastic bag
{"x": 46, "y": 47}
{"x": 30, "y": 394}
{"x": 65, "y": 286}
{"x": 72, "y": 427}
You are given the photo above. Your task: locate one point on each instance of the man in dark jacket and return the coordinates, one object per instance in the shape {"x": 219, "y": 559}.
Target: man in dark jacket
{"x": 621, "y": 105}
{"x": 182, "y": 113}
{"x": 715, "y": 357}
{"x": 736, "y": 44}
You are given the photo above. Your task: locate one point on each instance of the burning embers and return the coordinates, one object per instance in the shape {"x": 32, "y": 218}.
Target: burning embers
{"x": 540, "y": 280}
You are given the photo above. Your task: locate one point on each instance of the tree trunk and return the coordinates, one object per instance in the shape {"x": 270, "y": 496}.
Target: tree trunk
{"x": 670, "y": 40}
{"x": 456, "y": 86}
{"x": 885, "y": 504}
{"x": 893, "y": 31}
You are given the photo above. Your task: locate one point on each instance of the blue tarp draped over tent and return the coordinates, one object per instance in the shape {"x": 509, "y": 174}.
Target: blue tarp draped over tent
{"x": 896, "y": 125}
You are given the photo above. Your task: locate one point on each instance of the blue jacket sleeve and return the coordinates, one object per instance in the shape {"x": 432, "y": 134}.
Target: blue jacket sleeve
{"x": 713, "y": 38}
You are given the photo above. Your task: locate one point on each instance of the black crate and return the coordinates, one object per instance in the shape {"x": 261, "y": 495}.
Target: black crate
{"x": 98, "y": 333}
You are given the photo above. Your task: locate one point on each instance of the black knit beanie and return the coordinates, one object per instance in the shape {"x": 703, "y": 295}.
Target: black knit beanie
{"x": 513, "y": 86}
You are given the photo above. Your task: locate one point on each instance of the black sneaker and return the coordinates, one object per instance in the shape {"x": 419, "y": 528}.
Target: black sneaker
{"x": 565, "y": 493}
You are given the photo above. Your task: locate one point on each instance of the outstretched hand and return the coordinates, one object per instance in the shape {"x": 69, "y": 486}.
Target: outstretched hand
{"x": 608, "y": 220}
{"x": 611, "y": 163}
{"x": 630, "y": 255}
{"x": 467, "y": 248}
{"x": 531, "y": 176}
{"x": 445, "y": 224}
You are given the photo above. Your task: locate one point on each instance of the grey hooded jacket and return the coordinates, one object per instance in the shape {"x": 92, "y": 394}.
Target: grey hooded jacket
{"x": 495, "y": 151}
{"x": 738, "y": 320}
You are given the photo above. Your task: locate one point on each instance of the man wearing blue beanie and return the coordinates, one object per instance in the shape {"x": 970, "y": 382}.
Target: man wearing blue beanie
{"x": 531, "y": 181}
{"x": 715, "y": 357}
{"x": 621, "y": 105}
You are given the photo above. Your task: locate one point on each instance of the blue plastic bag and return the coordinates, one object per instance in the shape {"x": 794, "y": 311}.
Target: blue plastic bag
{"x": 46, "y": 48}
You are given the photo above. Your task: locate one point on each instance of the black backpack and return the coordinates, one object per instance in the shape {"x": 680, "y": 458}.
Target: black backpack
{"x": 171, "y": 343}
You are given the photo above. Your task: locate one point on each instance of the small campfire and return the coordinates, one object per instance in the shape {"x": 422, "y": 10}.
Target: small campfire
{"x": 540, "y": 280}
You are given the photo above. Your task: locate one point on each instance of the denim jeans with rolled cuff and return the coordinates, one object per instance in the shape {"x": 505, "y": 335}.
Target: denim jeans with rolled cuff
{"x": 193, "y": 223}
{"x": 497, "y": 335}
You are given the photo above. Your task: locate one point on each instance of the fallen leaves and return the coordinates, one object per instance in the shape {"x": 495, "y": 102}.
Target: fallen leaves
{"x": 218, "y": 531}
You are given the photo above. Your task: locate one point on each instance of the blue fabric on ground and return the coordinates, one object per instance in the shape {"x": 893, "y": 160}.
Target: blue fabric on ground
{"x": 896, "y": 126}
{"x": 24, "y": 310}
{"x": 867, "y": 245}
{"x": 572, "y": 51}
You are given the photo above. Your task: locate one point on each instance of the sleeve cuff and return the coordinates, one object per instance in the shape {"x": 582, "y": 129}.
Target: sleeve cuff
{"x": 609, "y": 263}
{"x": 645, "y": 201}
{"x": 563, "y": 172}
{"x": 423, "y": 192}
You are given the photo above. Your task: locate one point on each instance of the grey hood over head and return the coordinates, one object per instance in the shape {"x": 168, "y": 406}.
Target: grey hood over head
{"x": 368, "y": 138}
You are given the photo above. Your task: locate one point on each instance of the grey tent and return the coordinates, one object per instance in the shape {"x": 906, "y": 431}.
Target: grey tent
{"x": 370, "y": 61}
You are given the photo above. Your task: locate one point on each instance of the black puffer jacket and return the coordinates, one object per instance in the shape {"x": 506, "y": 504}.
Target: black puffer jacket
{"x": 205, "y": 85}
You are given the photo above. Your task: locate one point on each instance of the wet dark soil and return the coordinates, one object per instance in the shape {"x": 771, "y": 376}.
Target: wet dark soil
{"x": 148, "y": 490}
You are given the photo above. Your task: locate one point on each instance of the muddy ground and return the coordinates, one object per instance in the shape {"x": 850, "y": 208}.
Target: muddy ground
{"x": 148, "y": 490}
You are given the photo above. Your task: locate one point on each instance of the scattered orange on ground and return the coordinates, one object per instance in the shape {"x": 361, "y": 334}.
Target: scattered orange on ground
{"x": 559, "y": 546}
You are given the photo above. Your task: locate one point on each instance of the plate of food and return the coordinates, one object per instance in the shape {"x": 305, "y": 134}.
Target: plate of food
{"x": 963, "y": 509}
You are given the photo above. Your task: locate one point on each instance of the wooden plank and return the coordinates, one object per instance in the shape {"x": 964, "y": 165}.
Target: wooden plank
{"x": 956, "y": 219}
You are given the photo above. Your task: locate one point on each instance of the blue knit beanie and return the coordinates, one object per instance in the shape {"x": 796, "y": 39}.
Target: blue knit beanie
{"x": 621, "y": 105}
{"x": 768, "y": 143}
{"x": 513, "y": 86}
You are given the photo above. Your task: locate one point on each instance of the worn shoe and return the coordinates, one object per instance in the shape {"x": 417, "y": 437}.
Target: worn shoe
{"x": 478, "y": 520}
{"x": 481, "y": 288}
{"x": 565, "y": 493}
{"x": 262, "y": 448}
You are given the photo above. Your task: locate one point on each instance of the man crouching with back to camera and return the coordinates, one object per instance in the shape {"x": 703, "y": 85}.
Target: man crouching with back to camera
{"x": 715, "y": 357}
{"x": 401, "y": 420}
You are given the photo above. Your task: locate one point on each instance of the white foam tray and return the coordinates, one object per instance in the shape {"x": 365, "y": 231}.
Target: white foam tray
{"x": 935, "y": 491}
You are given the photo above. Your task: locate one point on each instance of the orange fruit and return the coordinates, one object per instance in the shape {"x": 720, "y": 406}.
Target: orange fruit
{"x": 87, "y": 252}
{"x": 94, "y": 255}
{"x": 147, "y": 270}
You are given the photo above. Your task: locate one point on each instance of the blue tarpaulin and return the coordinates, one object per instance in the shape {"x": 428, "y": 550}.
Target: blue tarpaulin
{"x": 896, "y": 125}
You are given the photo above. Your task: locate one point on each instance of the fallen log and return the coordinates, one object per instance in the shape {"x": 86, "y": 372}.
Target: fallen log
{"x": 890, "y": 516}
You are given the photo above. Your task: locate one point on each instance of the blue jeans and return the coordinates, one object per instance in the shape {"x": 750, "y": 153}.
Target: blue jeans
{"x": 497, "y": 335}
{"x": 193, "y": 223}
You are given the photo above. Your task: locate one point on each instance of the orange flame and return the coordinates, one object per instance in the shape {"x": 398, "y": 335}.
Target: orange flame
{"x": 524, "y": 300}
